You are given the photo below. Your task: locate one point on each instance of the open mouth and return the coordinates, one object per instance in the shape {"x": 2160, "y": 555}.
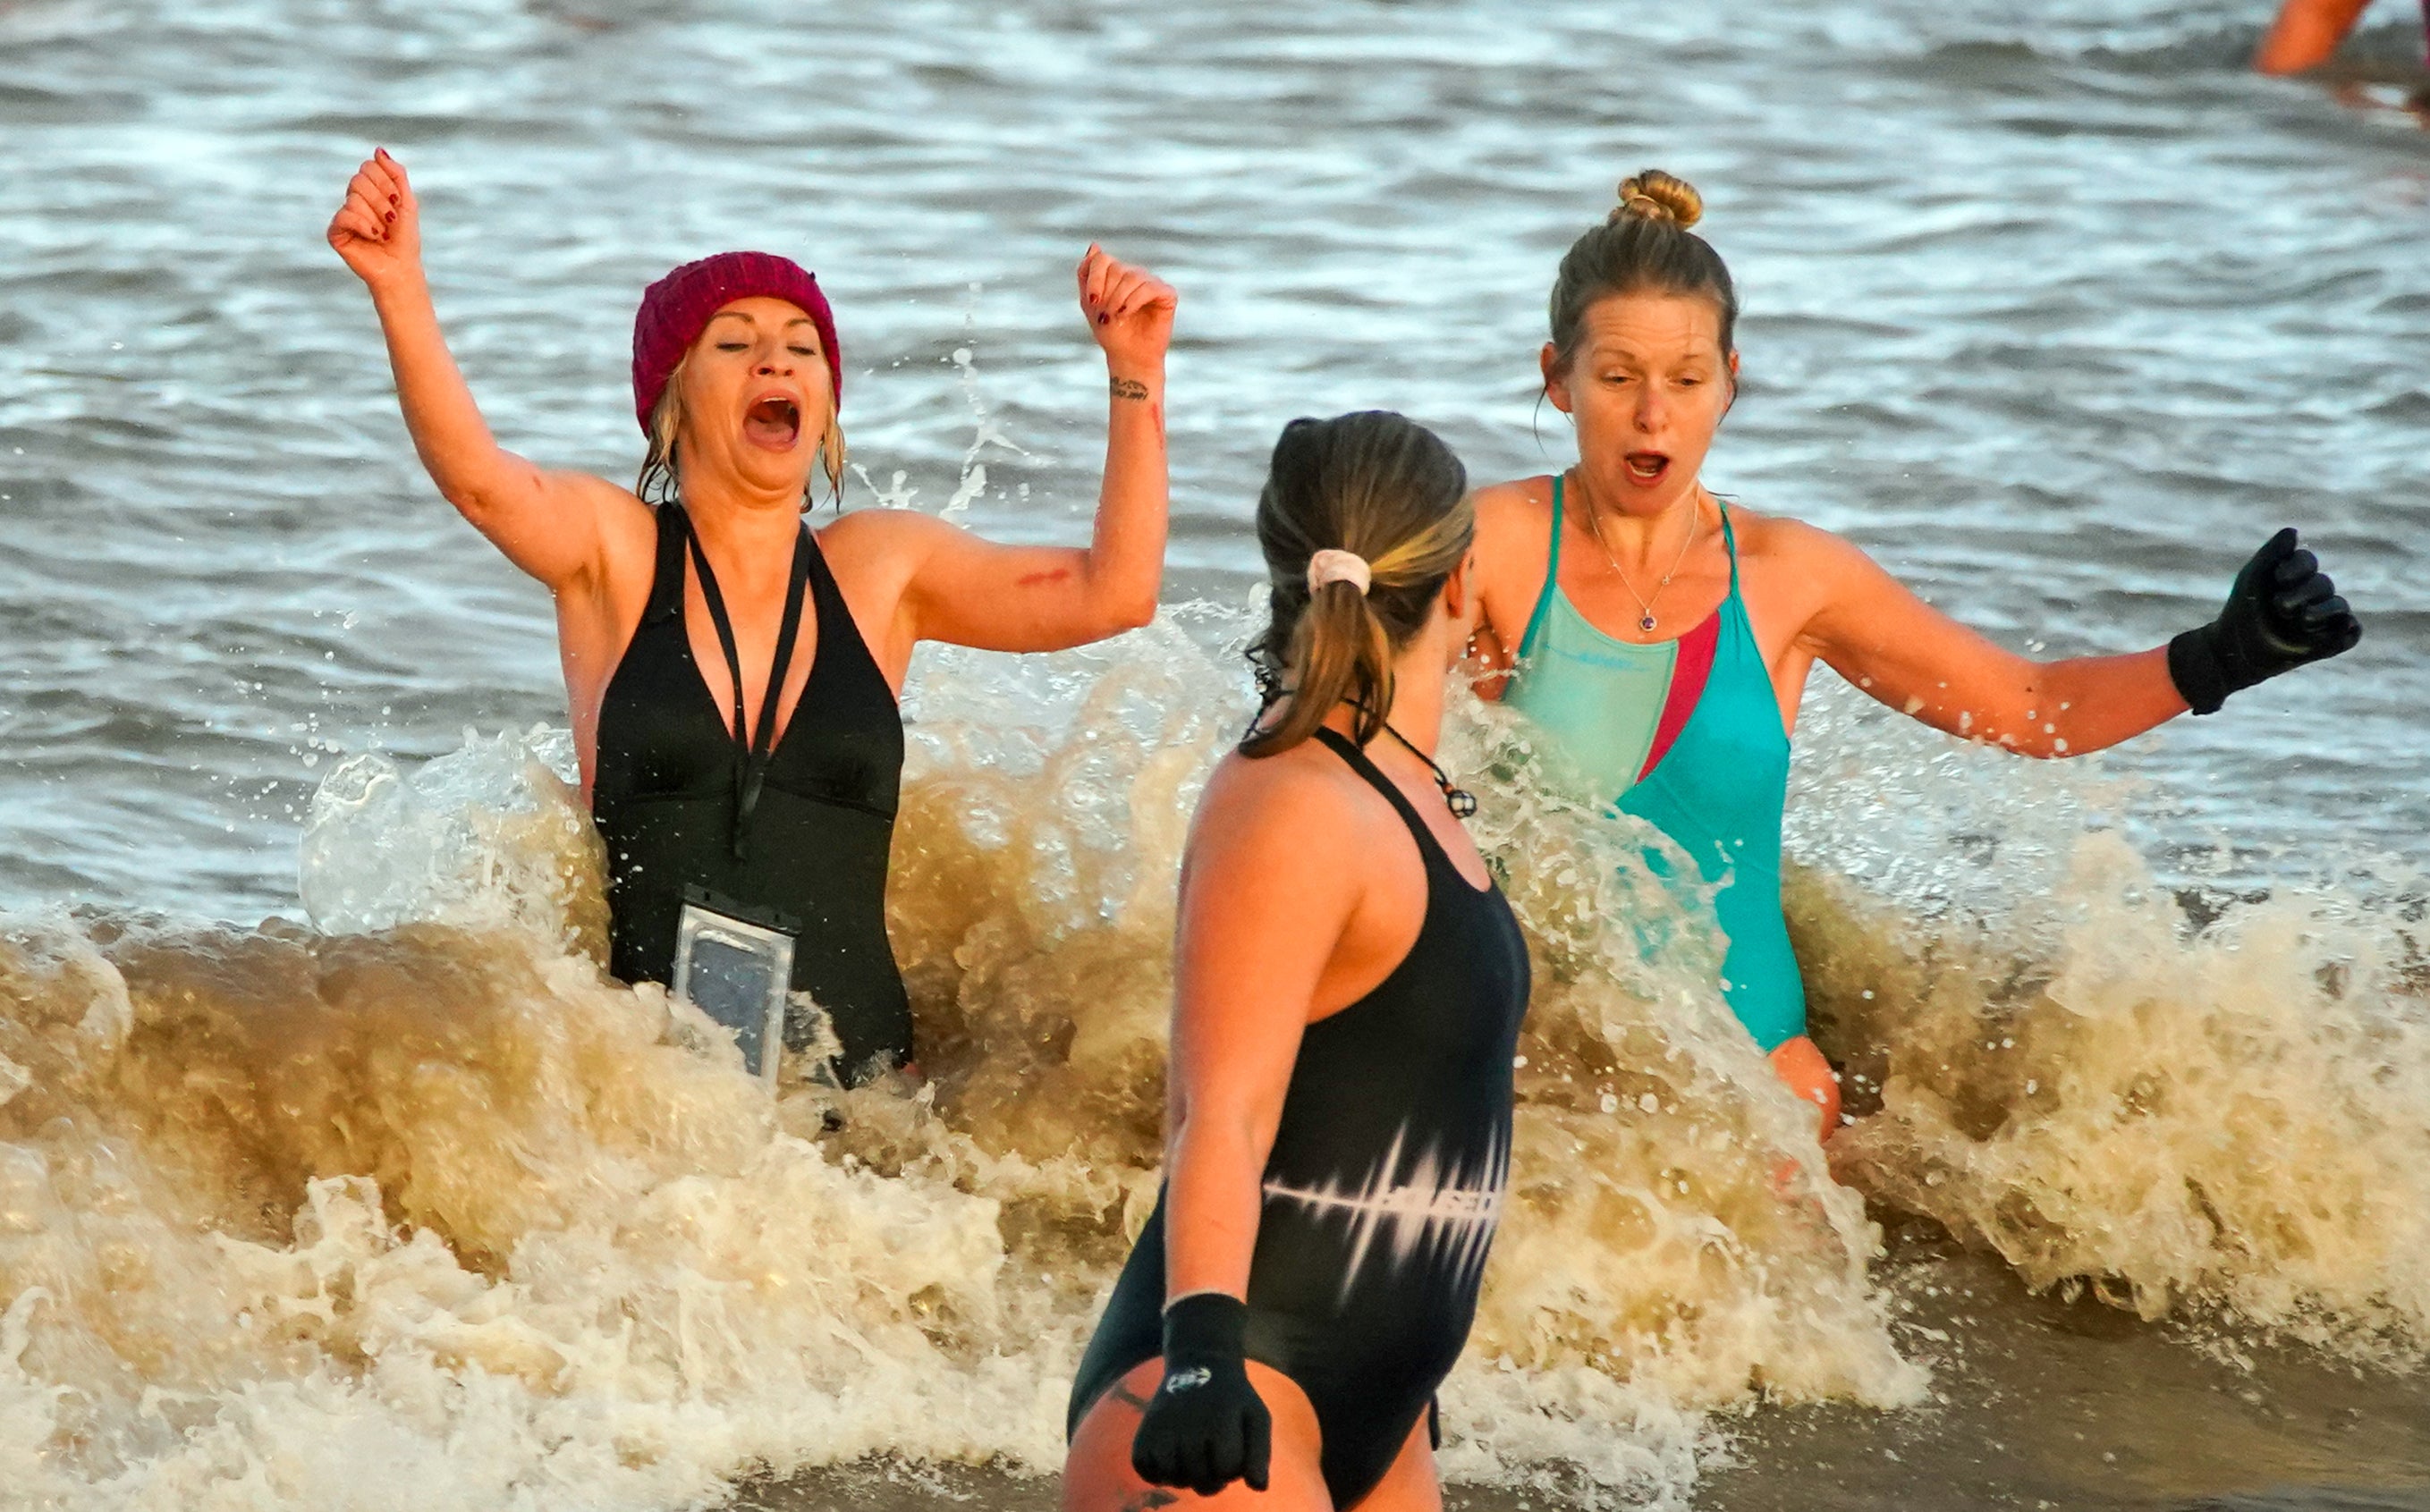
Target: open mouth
{"x": 774, "y": 423}
{"x": 1647, "y": 466}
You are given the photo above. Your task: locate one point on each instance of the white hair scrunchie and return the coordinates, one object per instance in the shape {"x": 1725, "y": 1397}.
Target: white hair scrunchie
{"x": 1331, "y": 566}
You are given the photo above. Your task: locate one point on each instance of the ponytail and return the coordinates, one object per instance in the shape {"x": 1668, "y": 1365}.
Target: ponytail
{"x": 1386, "y": 490}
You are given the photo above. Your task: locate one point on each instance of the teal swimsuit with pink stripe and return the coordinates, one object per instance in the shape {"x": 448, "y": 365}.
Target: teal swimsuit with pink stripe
{"x": 1686, "y": 735}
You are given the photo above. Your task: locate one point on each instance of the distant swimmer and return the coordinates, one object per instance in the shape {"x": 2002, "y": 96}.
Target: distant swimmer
{"x": 1664, "y": 637}
{"x": 1348, "y": 989}
{"x": 2307, "y": 32}
{"x": 680, "y": 602}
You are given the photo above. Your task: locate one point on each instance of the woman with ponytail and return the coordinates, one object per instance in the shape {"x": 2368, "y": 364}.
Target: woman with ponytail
{"x": 1348, "y": 988}
{"x": 1664, "y": 637}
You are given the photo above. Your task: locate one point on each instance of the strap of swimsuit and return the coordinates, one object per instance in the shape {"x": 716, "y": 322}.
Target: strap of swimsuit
{"x": 1729, "y": 541}
{"x": 666, "y": 581}
{"x": 1361, "y": 763}
{"x": 838, "y": 633}
{"x": 751, "y": 773}
{"x": 1552, "y": 578}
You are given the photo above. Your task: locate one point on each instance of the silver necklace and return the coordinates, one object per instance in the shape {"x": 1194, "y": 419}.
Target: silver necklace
{"x": 1644, "y": 604}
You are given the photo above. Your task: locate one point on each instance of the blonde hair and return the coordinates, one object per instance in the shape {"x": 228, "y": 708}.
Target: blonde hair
{"x": 1388, "y": 490}
{"x": 1654, "y": 195}
{"x": 660, "y": 473}
{"x": 1644, "y": 246}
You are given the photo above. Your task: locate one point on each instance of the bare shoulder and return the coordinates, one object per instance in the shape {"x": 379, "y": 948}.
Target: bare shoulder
{"x": 1520, "y": 508}
{"x": 1293, "y": 811}
{"x": 878, "y": 543}
{"x": 1779, "y": 540}
{"x": 1301, "y": 784}
{"x": 1514, "y": 529}
{"x": 1802, "y": 580}
{"x": 877, "y": 525}
{"x": 878, "y": 528}
{"x": 619, "y": 508}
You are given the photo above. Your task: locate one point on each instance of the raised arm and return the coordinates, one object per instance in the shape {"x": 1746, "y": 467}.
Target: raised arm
{"x": 546, "y": 522}
{"x": 2282, "y": 612}
{"x": 2305, "y": 35}
{"x": 974, "y": 592}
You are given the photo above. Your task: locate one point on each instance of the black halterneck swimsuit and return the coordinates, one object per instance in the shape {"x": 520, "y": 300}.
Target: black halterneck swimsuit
{"x": 1384, "y": 1186}
{"x": 816, "y": 806}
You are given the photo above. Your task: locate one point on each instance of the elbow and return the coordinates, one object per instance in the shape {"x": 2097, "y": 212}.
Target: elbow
{"x": 1125, "y": 606}
{"x": 1135, "y": 612}
{"x": 483, "y": 497}
{"x": 471, "y": 491}
{"x": 482, "y": 512}
{"x": 1216, "y": 1148}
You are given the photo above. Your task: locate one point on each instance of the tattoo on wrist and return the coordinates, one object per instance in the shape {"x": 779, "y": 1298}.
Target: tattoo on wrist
{"x": 1127, "y": 388}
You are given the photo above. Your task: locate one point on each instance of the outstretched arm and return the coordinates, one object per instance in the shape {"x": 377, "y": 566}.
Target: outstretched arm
{"x": 2283, "y": 611}
{"x": 546, "y": 522}
{"x": 974, "y": 592}
{"x": 2306, "y": 33}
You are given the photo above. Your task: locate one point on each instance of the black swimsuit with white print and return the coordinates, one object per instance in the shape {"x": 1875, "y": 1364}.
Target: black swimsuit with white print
{"x": 1383, "y": 1188}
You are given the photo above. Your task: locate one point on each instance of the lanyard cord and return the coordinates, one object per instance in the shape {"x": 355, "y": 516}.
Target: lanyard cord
{"x": 1271, "y": 691}
{"x": 1458, "y": 800}
{"x": 751, "y": 771}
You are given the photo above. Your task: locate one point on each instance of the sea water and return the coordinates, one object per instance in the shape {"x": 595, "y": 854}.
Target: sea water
{"x": 333, "y": 1173}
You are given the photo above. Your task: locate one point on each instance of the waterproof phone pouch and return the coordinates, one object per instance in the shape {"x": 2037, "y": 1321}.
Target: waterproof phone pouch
{"x": 735, "y": 963}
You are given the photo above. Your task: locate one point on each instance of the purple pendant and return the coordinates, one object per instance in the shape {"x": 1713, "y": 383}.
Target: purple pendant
{"x": 1646, "y": 624}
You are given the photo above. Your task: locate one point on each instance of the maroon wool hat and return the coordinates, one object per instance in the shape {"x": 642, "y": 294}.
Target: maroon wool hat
{"x": 677, "y": 309}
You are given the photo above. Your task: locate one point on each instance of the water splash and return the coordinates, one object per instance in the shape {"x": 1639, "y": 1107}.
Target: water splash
{"x": 488, "y": 837}
{"x": 420, "y": 1204}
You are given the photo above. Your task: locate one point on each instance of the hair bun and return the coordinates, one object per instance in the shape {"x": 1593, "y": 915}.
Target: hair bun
{"x": 1654, "y": 195}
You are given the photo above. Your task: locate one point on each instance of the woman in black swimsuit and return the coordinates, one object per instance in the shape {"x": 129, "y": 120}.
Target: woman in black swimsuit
{"x": 1348, "y": 991}
{"x": 691, "y": 631}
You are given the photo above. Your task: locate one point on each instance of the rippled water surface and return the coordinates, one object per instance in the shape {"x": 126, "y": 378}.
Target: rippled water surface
{"x": 2050, "y": 306}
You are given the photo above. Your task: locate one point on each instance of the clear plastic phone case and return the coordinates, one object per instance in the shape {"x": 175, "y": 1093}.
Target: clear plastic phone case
{"x": 739, "y": 972}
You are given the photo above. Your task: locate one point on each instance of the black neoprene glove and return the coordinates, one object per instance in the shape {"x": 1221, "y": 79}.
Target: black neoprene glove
{"x": 2282, "y": 612}
{"x": 1206, "y": 1427}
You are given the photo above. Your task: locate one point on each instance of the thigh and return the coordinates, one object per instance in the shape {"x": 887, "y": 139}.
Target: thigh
{"x": 1097, "y": 1474}
{"x": 1410, "y": 1485}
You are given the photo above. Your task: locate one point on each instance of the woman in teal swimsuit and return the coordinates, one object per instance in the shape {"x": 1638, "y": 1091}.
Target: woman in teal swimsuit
{"x": 1665, "y": 637}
